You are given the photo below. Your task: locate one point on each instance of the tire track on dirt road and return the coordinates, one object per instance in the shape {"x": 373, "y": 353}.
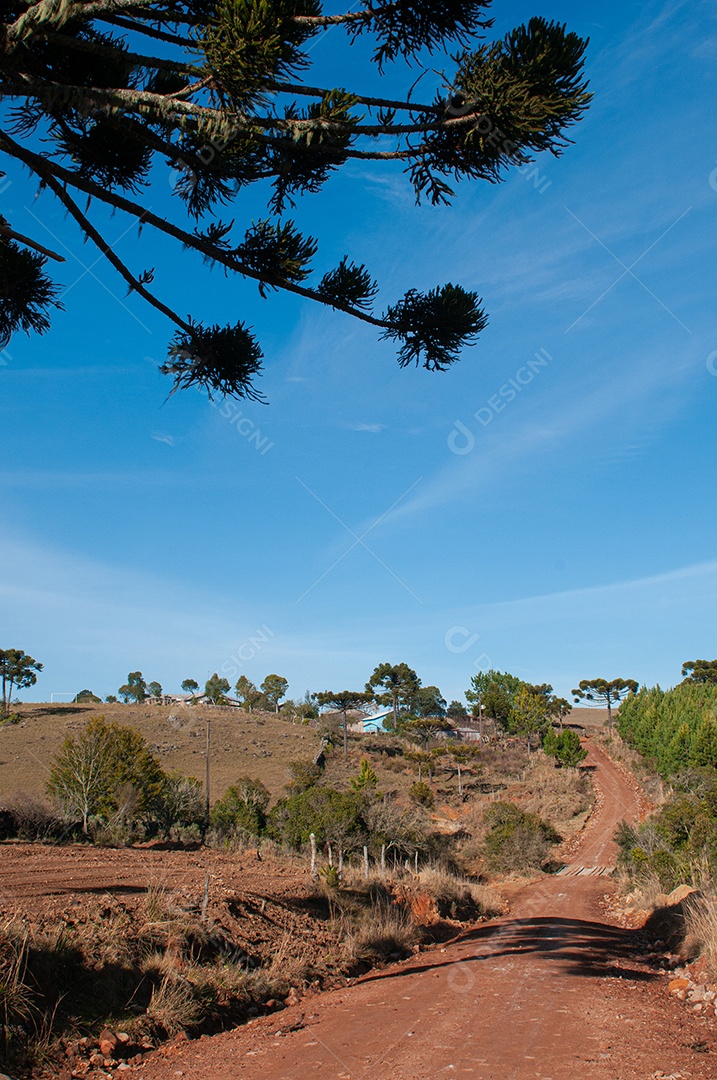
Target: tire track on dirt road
{"x": 552, "y": 991}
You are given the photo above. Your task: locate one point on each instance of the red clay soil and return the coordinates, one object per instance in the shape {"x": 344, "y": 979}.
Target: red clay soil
{"x": 552, "y": 991}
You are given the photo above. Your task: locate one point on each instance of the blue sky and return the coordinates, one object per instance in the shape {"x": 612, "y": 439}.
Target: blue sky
{"x": 370, "y": 513}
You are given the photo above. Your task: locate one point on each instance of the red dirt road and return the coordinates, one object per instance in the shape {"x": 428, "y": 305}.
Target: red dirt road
{"x": 552, "y": 991}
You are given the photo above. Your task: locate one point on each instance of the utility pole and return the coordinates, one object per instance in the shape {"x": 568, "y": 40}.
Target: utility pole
{"x": 206, "y": 780}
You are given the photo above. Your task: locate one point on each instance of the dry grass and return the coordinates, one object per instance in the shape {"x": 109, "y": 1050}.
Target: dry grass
{"x": 700, "y": 914}
{"x": 174, "y": 1005}
{"x": 556, "y": 795}
{"x": 654, "y": 786}
{"x": 450, "y": 890}
{"x": 382, "y": 932}
{"x": 16, "y": 995}
{"x": 252, "y": 744}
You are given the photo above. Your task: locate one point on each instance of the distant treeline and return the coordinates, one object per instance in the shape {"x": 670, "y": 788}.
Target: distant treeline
{"x": 674, "y": 729}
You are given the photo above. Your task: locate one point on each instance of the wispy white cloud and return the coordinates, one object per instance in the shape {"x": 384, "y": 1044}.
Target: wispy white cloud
{"x": 582, "y": 409}
{"x": 168, "y": 439}
{"x": 374, "y": 429}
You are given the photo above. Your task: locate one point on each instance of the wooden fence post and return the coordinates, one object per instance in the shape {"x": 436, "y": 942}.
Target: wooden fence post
{"x": 312, "y": 841}
{"x": 365, "y": 862}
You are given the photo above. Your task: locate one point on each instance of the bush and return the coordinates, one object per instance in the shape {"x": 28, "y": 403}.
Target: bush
{"x": 566, "y": 748}
{"x": 679, "y": 842}
{"x": 32, "y": 818}
{"x": 304, "y": 774}
{"x": 402, "y": 831}
{"x": 422, "y": 793}
{"x": 333, "y": 816}
{"x": 180, "y": 806}
{"x": 242, "y": 807}
{"x": 94, "y": 770}
{"x": 517, "y": 840}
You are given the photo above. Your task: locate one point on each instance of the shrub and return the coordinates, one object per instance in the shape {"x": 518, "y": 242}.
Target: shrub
{"x": 242, "y": 807}
{"x": 333, "y": 816}
{"x": 304, "y": 774}
{"x": 94, "y": 769}
{"x": 35, "y": 819}
{"x": 566, "y": 748}
{"x": 403, "y": 831}
{"x": 517, "y": 840}
{"x": 180, "y": 806}
{"x": 367, "y": 778}
{"x": 422, "y": 793}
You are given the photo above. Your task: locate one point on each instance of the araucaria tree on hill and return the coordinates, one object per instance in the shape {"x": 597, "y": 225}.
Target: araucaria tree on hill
{"x": 603, "y": 694}
{"x": 344, "y": 702}
{"x": 101, "y": 97}
{"x": 18, "y": 670}
{"x": 400, "y": 683}
{"x": 700, "y": 671}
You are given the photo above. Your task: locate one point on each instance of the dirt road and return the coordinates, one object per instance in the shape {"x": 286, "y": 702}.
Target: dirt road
{"x": 552, "y": 991}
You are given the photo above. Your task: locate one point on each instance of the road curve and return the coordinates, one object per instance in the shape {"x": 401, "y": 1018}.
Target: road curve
{"x": 551, "y": 991}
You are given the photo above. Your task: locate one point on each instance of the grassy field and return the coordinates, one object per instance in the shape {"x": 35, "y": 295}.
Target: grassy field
{"x": 258, "y": 745}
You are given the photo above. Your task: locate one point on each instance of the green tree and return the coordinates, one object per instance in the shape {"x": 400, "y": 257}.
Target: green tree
{"x": 86, "y": 697}
{"x": 217, "y": 104}
{"x": 242, "y": 806}
{"x": 424, "y": 759}
{"x": 190, "y": 686}
{"x": 700, "y": 671}
{"x": 457, "y": 711}
{"x": 529, "y": 715}
{"x": 492, "y": 693}
{"x": 111, "y": 699}
{"x": 344, "y": 702}
{"x": 566, "y": 747}
{"x": 601, "y": 693}
{"x": 93, "y": 767}
{"x": 424, "y": 729}
{"x": 550, "y": 742}
{"x": 495, "y": 703}
{"x": 18, "y": 670}
{"x": 367, "y": 779}
{"x": 427, "y": 701}
{"x": 465, "y": 757}
{"x": 400, "y": 684}
{"x": 334, "y": 817}
{"x": 274, "y": 689}
{"x": 559, "y": 709}
{"x": 181, "y": 803}
{"x": 703, "y": 751}
{"x": 247, "y": 693}
{"x": 135, "y": 689}
{"x": 216, "y": 688}
{"x": 154, "y": 689}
